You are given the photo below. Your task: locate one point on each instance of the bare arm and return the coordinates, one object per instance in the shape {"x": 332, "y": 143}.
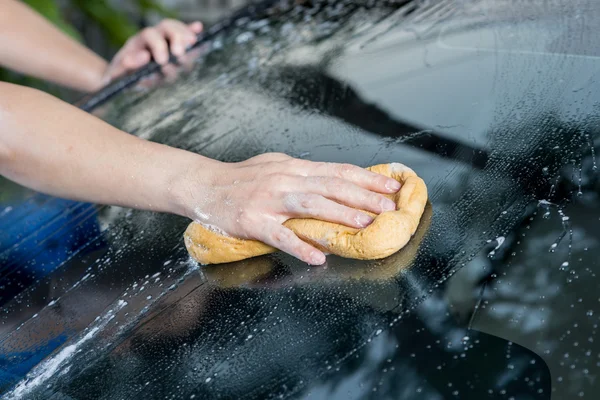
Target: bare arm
{"x": 60, "y": 150}
{"x": 55, "y": 148}
{"x": 33, "y": 46}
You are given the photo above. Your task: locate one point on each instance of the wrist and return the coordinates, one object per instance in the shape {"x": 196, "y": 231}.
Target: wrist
{"x": 190, "y": 187}
{"x": 96, "y": 77}
{"x": 85, "y": 73}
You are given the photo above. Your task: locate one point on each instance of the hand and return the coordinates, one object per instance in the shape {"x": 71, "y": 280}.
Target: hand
{"x": 252, "y": 199}
{"x": 155, "y": 43}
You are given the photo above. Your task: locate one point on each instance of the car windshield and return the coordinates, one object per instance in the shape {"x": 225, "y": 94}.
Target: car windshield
{"x": 495, "y": 104}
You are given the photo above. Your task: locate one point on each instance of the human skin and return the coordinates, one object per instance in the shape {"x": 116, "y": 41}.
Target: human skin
{"x": 55, "y": 148}
{"x": 33, "y": 46}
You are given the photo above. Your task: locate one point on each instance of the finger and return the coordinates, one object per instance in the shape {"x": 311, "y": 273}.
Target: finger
{"x": 196, "y": 27}
{"x": 303, "y": 205}
{"x": 136, "y": 59}
{"x": 347, "y": 193}
{"x": 282, "y": 238}
{"x": 360, "y": 176}
{"x": 156, "y": 43}
{"x": 178, "y": 34}
{"x": 189, "y": 34}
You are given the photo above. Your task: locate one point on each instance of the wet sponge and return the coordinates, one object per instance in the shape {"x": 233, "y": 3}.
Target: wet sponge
{"x": 389, "y": 232}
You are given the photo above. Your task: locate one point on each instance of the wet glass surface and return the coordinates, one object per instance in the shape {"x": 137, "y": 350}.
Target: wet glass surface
{"x": 493, "y": 103}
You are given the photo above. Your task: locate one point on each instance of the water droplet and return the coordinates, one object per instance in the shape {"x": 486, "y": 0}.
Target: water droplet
{"x": 244, "y": 37}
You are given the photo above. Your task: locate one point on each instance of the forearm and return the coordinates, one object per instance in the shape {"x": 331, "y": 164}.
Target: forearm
{"x": 33, "y": 46}
{"x": 52, "y": 147}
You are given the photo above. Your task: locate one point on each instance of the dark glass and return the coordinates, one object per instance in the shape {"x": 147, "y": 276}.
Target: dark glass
{"x": 493, "y": 103}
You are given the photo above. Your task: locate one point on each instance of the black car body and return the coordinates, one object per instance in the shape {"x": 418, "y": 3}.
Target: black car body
{"x": 495, "y": 104}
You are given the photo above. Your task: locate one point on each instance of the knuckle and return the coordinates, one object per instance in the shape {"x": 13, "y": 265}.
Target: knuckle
{"x": 308, "y": 202}
{"x": 174, "y": 35}
{"x": 259, "y": 157}
{"x": 279, "y": 157}
{"x": 302, "y": 203}
{"x": 146, "y": 33}
{"x": 346, "y": 169}
{"x": 167, "y": 24}
{"x": 300, "y": 162}
{"x": 299, "y": 203}
{"x": 325, "y": 168}
{"x": 282, "y": 236}
{"x": 373, "y": 198}
{"x": 245, "y": 218}
{"x": 277, "y": 179}
{"x": 272, "y": 157}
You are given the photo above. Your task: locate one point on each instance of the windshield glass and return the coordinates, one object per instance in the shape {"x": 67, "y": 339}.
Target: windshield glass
{"x": 493, "y": 103}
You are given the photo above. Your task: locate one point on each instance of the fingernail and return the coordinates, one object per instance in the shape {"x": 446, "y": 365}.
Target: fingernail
{"x": 392, "y": 185}
{"x": 363, "y": 220}
{"x": 388, "y": 205}
{"x": 317, "y": 258}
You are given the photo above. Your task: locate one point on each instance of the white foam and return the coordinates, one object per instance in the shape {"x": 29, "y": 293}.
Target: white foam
{"x": 500, "y": 240}
{"x": 215, "y": 229}
{"x": 49, "y": 367}
{"x": 201, "y": 216}
{"x": 397, "y": 167}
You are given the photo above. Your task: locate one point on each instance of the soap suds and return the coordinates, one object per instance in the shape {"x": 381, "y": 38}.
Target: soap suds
{"x": 202, "y": 218}
{"x": 48, "y": 368}
{"x": 399, "y": 168}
